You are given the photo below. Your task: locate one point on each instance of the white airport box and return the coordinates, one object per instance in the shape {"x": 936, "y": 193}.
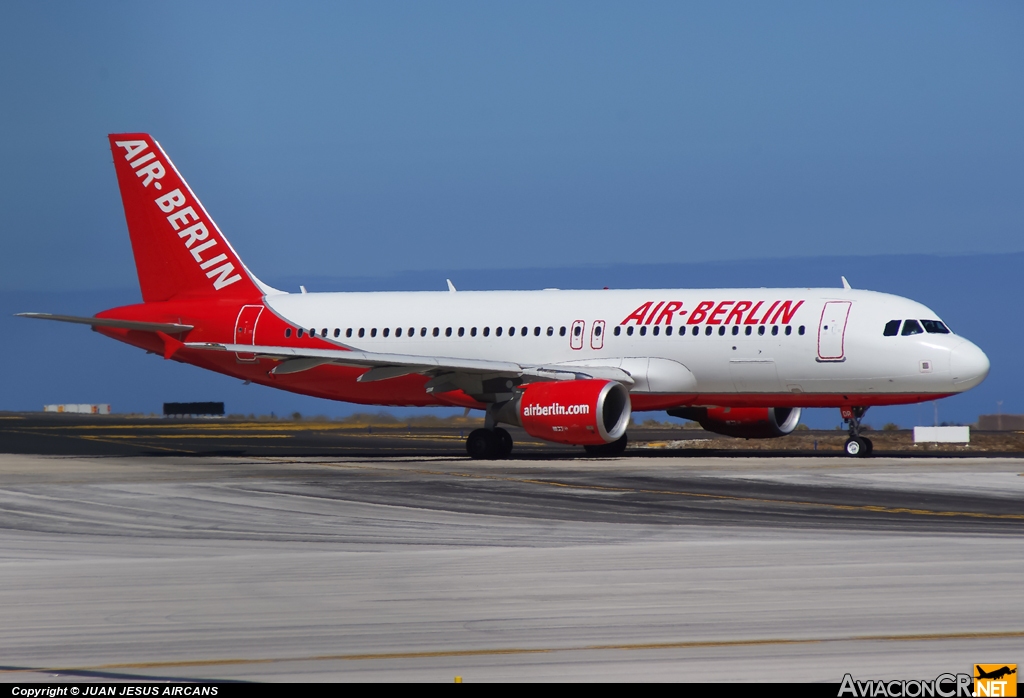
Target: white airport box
{"x": 80, "y": 408}
{"x": 942, "y": 435}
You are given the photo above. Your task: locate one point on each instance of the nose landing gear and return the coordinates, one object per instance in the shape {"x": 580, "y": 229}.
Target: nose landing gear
{"x": 856, "y": 446}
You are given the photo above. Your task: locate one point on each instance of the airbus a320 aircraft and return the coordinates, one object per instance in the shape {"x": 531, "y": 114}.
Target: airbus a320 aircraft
{"x": 567, "y": 366}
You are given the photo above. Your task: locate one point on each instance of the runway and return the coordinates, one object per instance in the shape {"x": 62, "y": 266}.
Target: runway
{"x": 545, "y": 567}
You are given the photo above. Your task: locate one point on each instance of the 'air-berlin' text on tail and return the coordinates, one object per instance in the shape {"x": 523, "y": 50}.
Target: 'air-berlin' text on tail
{"x": 179, "y": 251}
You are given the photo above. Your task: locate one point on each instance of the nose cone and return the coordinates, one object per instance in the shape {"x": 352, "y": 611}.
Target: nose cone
{"x": 968, "y": 366}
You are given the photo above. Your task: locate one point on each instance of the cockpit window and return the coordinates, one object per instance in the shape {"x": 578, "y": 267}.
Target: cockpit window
{"x": 892, "y": 328}
{"x": 934, "y": 327}
{"x": 911, "y": 327}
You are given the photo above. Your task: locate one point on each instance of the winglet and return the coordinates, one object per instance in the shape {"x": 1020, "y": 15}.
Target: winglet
{"x": 451, "y": 286}
{"x": 846, "y": 284}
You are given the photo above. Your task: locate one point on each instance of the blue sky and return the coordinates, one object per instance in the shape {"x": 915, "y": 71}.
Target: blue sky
{"x": 336, "y": 139}
{"x": 383, "y": 144}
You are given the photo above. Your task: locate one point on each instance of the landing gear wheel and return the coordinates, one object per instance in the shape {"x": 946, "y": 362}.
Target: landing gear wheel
{"x": 503, "y": 441}
{"x": 857, "y": 447}
{"x": 615, "y": 448}
{"x": 481, "y": 444}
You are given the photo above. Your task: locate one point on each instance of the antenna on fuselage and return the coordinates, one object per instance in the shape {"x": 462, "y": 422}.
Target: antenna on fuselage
{"x": 451, "y": 286}
{"x": 846, "y": 284}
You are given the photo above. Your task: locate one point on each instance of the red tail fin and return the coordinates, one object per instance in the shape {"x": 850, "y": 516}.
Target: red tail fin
{"x": 179, "y": 251}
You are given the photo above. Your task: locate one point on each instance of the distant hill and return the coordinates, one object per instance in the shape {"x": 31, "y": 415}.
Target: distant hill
{"x": 978, "y": 296}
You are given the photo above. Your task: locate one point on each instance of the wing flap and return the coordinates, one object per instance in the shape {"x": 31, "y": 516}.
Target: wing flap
{"x": 383, "y": 366}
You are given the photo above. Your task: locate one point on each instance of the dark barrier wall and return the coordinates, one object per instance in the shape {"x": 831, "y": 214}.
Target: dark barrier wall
{"x": 174, "y": 409}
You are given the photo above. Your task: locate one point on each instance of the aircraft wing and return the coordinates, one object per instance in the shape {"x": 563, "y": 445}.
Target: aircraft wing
{"x": 383, "y": 366}
{"x": 166, "y": 327}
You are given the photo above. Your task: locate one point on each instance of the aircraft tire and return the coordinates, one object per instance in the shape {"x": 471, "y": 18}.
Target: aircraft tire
{"x": 615, "y": 448}
{"x": 481, "y": 445}
{"x": 504, "y": 443}
{"x": 857, "y": 447}
{"x": 871, "y": 446}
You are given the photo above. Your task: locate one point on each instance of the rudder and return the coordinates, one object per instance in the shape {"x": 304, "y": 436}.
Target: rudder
{"x": 179, "y": 250}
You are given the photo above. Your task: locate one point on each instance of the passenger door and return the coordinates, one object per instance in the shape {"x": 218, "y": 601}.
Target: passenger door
{"x": 245, "y": 329}
{"x": 832, "y": 331}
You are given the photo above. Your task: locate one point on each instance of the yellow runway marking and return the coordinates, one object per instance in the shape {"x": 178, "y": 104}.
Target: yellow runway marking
{"x": 630, "y": 647}
{"x": 136, "y": 437}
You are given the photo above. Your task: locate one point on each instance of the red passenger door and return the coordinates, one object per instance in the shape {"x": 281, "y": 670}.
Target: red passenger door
{"x": 245, "y": 329}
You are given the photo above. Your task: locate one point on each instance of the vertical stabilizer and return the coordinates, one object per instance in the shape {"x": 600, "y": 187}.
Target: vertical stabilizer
{"x": 179, "y": 250}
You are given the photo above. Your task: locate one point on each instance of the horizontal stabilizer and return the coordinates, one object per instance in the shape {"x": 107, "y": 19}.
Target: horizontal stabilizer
{"x": 166, "y": 327}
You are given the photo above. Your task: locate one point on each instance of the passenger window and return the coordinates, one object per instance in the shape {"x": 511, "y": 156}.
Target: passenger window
{"x": 497, "y": 331}
{"x": 561, "y": 331}
{"x": 892, "y": 328}
{"x": 629, "y": 330}
{"x": 437, "y": 331}
{"x": 789, "y": 330}
{"x": 775, "y": 330}
{"x": 748, "y": 330}
{"x": 721, "y": 331}
{"x": 462, "y": 331}
{"x": 487, "y": 332}
{"x": 735, "y": 330}
{"x": 643, "y": 331}
{"x": 412, "y": 331}
{"x": 668, "y": 330}
{"x": 362, "y": 331}
{"x": 577, "y": 331}
{"x": 373, "y": 332}
{"x": 398, "y": 331}
{"x": 337, "y": 332}
{"x": 934, "y": 327}
{"x": 300, "y": 333}
{"x": 551, "y": 332}
{"x": 656, "y": 330}
{"x": 472, "y": 332}
{"x": 525, "y": 331}
{"x": 423, "y": 332}
{"x": 387, "y": 331}
{"x": 288, "y": 332}
{"x": 597, "y": 331}
{"x": 708, "y": 330}
{"x": 448, "y": 332}
{"x": 536, "y": 332}
{"x": 323, "y": 332}
{"x": 618, "y": 330}
{"x": 911, "y": 327}
{"x": 695, "y": 330}
{"x": 760, "y": 330}
{"x": 801, "y": 330}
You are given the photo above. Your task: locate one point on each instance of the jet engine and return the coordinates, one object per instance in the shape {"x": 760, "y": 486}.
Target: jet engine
{"x": 577, "y": 412}
{"x": 743, "y": 422}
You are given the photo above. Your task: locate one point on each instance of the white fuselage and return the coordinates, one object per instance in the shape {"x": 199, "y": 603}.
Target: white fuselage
{"x": 800, "y": 343}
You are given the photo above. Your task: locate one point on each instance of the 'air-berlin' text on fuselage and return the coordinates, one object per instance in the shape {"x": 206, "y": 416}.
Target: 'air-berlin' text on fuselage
{"x": 185, "y": 220}
{"x": 716, "y": 313}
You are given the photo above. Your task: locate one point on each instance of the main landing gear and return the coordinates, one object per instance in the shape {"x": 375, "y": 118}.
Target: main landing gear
{"x": 489, "y": 444}
{"x": 856, "y": 446}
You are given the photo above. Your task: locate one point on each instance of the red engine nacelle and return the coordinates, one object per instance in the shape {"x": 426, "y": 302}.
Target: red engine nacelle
{"x": 743, "y": 422}
{"x": 578, "y": 412}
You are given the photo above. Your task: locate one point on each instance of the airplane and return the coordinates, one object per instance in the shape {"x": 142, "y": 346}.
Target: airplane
{"x": 995, "y": 674}
{"x": 568, "y": 366}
